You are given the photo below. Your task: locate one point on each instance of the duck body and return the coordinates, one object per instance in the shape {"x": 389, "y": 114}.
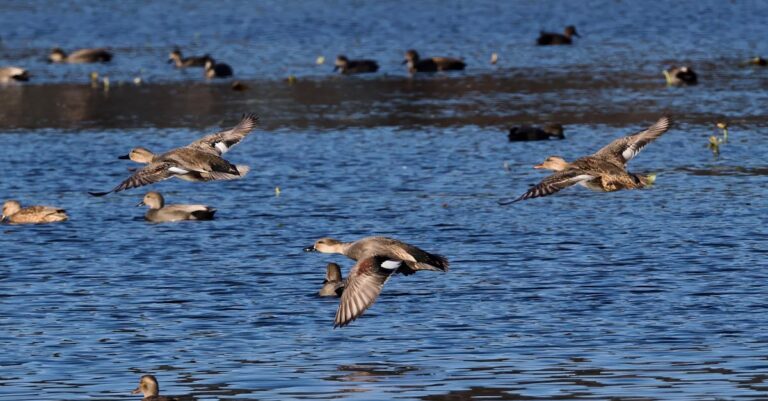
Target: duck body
{"x": 176, "y": 58}
{"x": 378, "y": 258}
{"x": 333, "y": 285}
{"x": 415, "y": 258}
{"x": 199, "y": 161}
{"x": 528, "y": 133}
{"x": 550, "y": 38}
{"x": 217, "y": 70}
{"x": 432, "y": 64}
{"x": 13, "y": 74}
{"x": 81, "y": 56}
{"x": 346, "y": 66}
{"x": 679, "y": 76}
{"x": 159, "y": 212}
{"x": 603, "y": 171}
{"x": 15, "y": 214}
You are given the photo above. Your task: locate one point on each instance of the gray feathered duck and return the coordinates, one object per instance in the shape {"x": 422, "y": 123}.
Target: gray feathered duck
{"x": 378, "y": 259}
{"x": 333, "y": 285}
{"x": 604, "y": 170}
{"x": 199, "y": 161}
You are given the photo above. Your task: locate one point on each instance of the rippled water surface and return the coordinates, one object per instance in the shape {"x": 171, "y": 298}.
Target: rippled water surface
{"x": 656, "y": 294}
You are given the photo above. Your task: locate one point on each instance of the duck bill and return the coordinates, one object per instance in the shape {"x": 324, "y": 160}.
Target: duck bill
{"x": 310, "y": 249}
{"x": 124, "y": 157}
{"x": 539, "y": 166}
{"x": 651, "y": 178}
{"x": 404, "y": 61}
{"x": 137, "y": 390}
{"x": 335, "y": 68}
{"x": 141, "y": 204}
{"x": 2, "y": 219}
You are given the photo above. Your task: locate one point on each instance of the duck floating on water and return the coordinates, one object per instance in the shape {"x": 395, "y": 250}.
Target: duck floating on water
{"x": 378, "y": 258}
{"x": 159, "y": 212}
{"x": 333, "y": 285}
{"x": 678, "y": 76}
{"x": 150, "y": 389}
{"x": 431, "y": 64}
{"x": 176, "y": 58}
{"x": 529, "y": 133}
{"x": 604, "y": 170}
{"x": 347, "y": 66}
{"x": 9, "y": 75}
{"x": 217, "y": 70}
{"x": 551, "y": 38}
{"x": 81, "y": 56}
{"x": 15, "y": 214}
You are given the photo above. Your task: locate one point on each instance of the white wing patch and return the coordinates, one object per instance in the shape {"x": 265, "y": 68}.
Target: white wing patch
{"x": 178, "y": 170}
{"x": 391, "y": 264}
{"x": 222, "y": 147}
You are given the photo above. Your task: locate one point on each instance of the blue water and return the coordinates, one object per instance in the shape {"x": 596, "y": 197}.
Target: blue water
{"x": 655, "y": 294}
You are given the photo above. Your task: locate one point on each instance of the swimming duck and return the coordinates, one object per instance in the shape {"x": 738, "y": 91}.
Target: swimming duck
{"x": 160, "y": 212}
{"x": 528, "y": 133}
{"x": 377, "y": 259}
{"x": 347, "y": 66}
{"x": 149, "y": 388}
{"x": 13, "y": 212}
{"x": 680, "y": 76}
{"x": 199, "y": 161}
{"x": 431, "y": 64}
{"x": 217, "y": 70}
{"x": 722, "y": 125}
{"x": 550, "y": 38}
{"x": 80, "y": 56}
{"x": 759, "y": 61}
{"x": 176, "y": 58}
{"x": 13, "y": 74}
{"x": 604, "y": 170}
{"x": 333, "y": 285}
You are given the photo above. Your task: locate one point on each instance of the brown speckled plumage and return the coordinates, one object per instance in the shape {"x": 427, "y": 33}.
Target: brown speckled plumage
{"x": 604, "y": 170}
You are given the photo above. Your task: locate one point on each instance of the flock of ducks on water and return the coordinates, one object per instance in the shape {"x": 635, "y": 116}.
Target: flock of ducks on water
{"x": 377, "y": 259}
{"x": 676, "y": 75}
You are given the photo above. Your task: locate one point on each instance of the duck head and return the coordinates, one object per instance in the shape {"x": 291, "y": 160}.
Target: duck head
{"x": 174, "y": 56}
{"x": 148, "y": 387}
{"x": 570, "y": 30}
{"x": 152, "y": 199}
{"x": 57, "y": 55}
{"x": 325, "y": 245}
{"x": 341, "y": 63}
{"x": 555, "y": 130}
{"x": 10, "y": 208}
{"x": 411, "y": 56}
{"x": 332, "y": 273}
{"x": 139, "y": 155}
{"x": 554, "y": 163}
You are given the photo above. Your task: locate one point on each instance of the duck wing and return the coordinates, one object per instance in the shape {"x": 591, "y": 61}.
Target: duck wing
{"x": 363, "y": 286}
{"x": 150, "y": 174}
{"x": 220, "y": 142}
{"x": 622, "y": 150}
{"x": 554, "y": 183}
